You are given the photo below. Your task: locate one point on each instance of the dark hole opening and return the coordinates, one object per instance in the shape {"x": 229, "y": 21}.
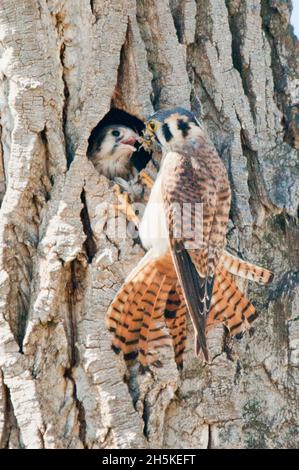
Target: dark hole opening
{"x": 140, "y": 158}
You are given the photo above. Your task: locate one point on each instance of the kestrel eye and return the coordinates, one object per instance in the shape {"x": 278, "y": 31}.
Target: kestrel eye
{"x": 152, "y": 125}
{"x": 115, "y": 133}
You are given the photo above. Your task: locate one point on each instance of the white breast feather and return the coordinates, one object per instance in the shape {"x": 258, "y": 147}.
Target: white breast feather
{"x": 153, "y": 229}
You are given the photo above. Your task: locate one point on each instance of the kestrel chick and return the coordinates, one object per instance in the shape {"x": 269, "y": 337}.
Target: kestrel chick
{"x": 112, "y": 150}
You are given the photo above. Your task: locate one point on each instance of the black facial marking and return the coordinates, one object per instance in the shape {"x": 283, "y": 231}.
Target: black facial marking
{"x": 184, "y": 127}
{"x": 166, "y": 113}
{"x": 167, "y": 132}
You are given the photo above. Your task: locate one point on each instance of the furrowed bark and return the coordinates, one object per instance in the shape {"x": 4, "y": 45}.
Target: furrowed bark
{"x": 63, "y": 64}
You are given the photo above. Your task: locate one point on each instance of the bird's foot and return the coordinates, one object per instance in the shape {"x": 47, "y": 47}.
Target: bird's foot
{"x": 123, "y": 205}
{"x": 123, "y": 184}
{"x": 146, "y": 179}
{"x": 132, "y": 186}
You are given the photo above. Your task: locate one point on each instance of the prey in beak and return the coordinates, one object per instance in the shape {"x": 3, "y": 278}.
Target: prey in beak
{"x": 147, "y": 139}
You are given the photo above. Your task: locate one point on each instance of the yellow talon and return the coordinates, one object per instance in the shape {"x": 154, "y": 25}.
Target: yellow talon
{"x": 146, "y": 179}
{"x": 125, "y": 206}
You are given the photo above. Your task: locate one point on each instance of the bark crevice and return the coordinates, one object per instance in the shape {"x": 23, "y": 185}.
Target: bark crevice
{"x": 67, "y": 68}
{"x": 11, "y": 437}
{"x": 279, "y": 33}
{"x": 89, "y": 244}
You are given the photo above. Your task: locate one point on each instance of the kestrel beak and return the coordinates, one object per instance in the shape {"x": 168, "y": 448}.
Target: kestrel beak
{"x": 130, "y": 142}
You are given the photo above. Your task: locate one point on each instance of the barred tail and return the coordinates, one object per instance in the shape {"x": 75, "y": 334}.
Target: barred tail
{"x": 176, "y": 321}
{"x": 150, "y": 312}
{"x": 136, "y": 316}
{"x": 243, "y": 269}
{"x": 230, "y": 306}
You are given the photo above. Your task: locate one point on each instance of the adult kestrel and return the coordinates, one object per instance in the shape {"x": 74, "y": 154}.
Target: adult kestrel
{"x": 185, "y": 267}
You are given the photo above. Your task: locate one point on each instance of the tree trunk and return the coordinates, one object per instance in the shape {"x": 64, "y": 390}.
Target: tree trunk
{"x": 64, "y": 64}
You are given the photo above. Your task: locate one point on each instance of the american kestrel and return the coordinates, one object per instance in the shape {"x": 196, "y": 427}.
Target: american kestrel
{"x": 112, "y": 149}
{"x": 185, "y": 268}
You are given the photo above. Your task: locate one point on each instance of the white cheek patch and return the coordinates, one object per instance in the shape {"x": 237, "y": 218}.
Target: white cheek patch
{"x": 106, "y": 147}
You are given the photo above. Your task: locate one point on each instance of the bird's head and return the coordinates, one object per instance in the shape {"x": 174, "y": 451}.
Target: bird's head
{"x": 114, "y": 141}
{"x": 171, "y": 129}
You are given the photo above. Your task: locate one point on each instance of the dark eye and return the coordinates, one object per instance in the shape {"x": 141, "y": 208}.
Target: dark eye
{"x": 152, "y": 125}
{"x": 116, "y": 133}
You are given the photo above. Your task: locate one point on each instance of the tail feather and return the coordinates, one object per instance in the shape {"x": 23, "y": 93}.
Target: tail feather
{"x": 124, "y": 311}
{"x": 150, "y": 311}
{"x": 244, "y": 269}
{"x": 195, "y": 294}
{"x": 153, "y": 335}
{"x": 175, "y": 318}
{"x": 136, "y": 316}
{"x": 230, "y": 306}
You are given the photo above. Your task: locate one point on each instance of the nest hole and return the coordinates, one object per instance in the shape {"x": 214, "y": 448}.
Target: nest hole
{"x": 141, "y": 157}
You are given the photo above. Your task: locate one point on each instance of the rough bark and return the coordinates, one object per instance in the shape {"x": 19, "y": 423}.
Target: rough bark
{"x": 63, "y": 64}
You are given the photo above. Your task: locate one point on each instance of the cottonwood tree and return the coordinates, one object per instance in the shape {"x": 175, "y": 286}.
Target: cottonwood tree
{"x": 64, "y": 65}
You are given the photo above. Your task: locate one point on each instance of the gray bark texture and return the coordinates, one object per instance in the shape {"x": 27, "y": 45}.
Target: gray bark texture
{"x": 63, "y": 64}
